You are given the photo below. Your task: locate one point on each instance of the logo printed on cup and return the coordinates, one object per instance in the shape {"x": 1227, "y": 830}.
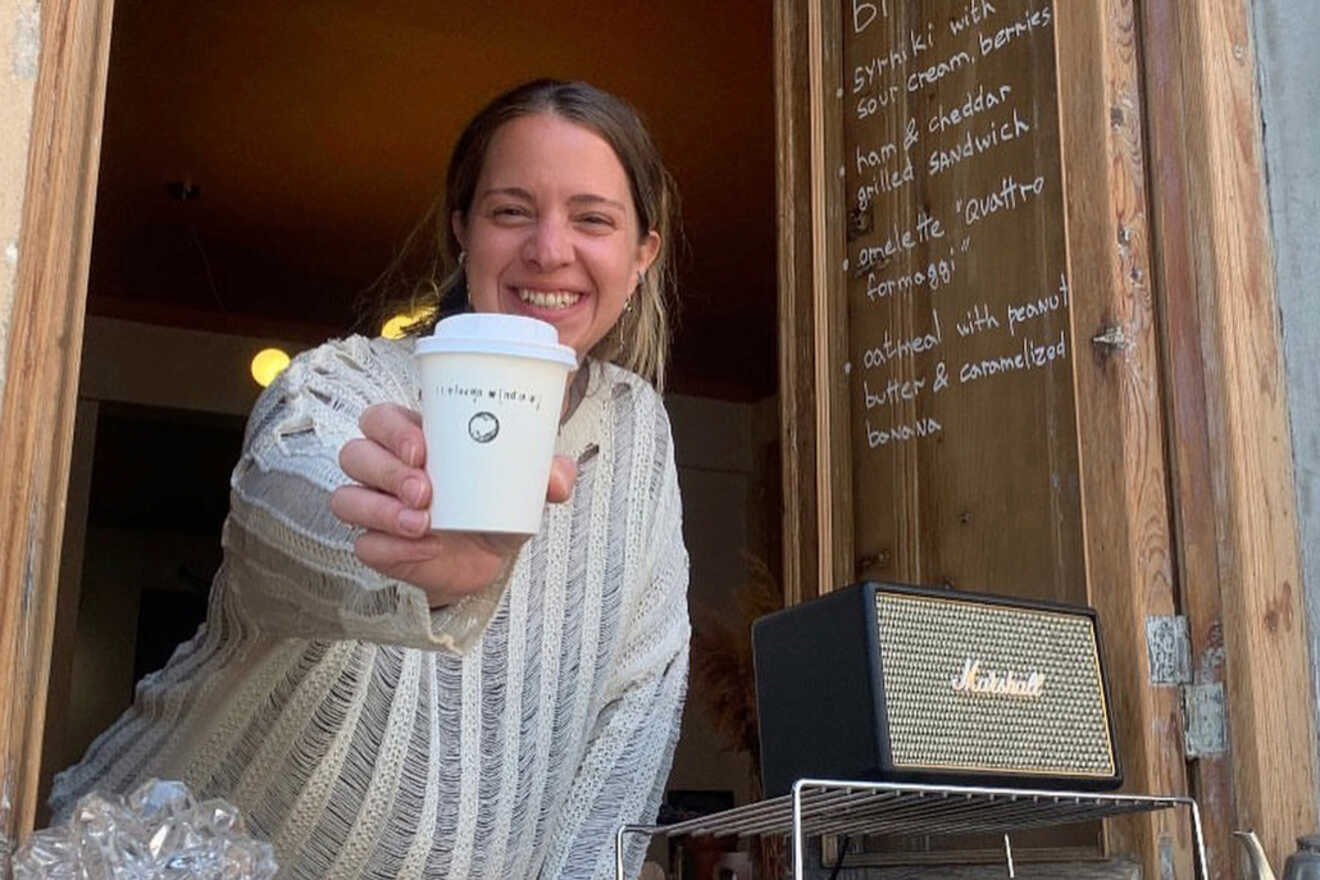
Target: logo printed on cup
{"x": 483, "y": 427}
{"x": 477, "y": 393}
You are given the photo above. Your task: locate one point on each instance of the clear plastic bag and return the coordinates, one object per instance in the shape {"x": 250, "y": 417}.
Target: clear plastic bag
{"x": 159, "y": 832}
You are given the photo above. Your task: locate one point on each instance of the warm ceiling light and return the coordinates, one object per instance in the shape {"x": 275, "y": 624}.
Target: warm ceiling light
{"x": 268, "y": 363}
{"x": 394, "y": 327}
{"x": 397, "y": 327}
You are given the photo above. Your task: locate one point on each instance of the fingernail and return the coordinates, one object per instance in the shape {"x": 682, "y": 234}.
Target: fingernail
{"x": 409, "y": 450}
{"x": 414, "y": 521}
{"x": 412, "y": 491}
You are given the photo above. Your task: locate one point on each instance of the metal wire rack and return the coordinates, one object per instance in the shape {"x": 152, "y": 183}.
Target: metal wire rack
{"x": 823, "y": 806}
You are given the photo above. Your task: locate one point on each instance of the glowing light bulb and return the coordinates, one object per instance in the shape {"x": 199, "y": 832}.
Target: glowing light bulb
{"x": 397, "y": 327}
{"x": 267, "y": 364}
{"x": 394, "y": 327}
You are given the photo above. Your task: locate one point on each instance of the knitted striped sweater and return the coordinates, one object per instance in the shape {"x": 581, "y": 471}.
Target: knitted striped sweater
{"x": 365, "y": 735}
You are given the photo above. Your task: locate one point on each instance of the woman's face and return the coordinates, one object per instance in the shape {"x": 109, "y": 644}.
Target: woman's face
{"x": 552, "y": 232}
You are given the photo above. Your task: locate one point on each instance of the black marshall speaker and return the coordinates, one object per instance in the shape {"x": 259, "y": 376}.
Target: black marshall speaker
{"x": 883, "y": 682}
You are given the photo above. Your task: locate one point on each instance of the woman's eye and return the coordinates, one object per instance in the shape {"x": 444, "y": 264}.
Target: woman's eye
{"x": 510, "y": 211}
{"x": 600, "y": 220}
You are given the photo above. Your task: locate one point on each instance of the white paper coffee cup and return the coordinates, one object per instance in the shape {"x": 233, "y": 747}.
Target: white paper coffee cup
{"x": 492, "y": 394}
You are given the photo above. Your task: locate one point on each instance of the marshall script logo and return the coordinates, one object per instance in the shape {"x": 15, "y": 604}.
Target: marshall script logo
{"x": 997, "y": 683}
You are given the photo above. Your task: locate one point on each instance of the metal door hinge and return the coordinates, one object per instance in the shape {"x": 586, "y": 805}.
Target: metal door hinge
{"x": 1168, "y": 649}
{"x": 1169, "y": 656}
{"x": 1205, "y": 729}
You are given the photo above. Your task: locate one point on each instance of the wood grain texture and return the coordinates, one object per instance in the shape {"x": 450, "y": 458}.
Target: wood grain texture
{"x": 41, "y": 377}
{"x": 821, "y": 859}
{"x": 1193, "y": 502}
{"x": 36, "y": 425}
{"x": 958, "y": 275}
{"x": 964, "y": 443}
{"x": 812, "y": 315}
{"x": 1116, "y": 869}
{"x": 797, "y": 387}
{"x": 1230, "y": 418}
{"x": 834, "y": 465}
{"x": 1119, "y": 410}
{"x": 1198, "y": 319}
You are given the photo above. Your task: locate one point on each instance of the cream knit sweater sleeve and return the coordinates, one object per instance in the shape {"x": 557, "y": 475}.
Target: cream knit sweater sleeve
{"x": 299, "y": 575}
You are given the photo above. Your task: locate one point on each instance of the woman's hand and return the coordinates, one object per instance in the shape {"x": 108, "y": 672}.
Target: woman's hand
{"x": 392, "y": 504}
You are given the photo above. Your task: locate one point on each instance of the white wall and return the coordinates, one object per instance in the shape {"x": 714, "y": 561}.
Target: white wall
{"x": 1287, "y": 33}
{"x": 20, "y": 44}
{"x": 714, "y": 446}
{"x": 130, "y": 362}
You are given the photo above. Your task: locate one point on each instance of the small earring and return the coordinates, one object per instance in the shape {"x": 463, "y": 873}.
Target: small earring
{"x": 641, "y": 280}
{"x": 462, "y": 258}
{"x": 627, "y": 307}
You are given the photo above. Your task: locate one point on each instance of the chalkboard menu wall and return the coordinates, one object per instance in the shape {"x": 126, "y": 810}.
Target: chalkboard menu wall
{"x": 963, "y": 428}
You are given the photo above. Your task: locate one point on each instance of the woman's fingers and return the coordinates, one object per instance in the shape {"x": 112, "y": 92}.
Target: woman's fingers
{"x": 367, "y": 462}
{"x": 389, "y": 553}
{"x": 397, "y": 429}
{"x": 395, "y": 493}
{"x": 563, "y": 473}
{"x": 378, "y": 511}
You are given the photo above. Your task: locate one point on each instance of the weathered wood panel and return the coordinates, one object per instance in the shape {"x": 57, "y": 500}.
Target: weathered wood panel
{"x": 963, "y": 431}
{"x": 1129, "y": 565}
{"x": 812, "y": 315}
{"x": 1183, "y": 464}
{"x": 797, "y": 387}
{"x": 963, "y": 434}
{"x": 1232, "y": 459}
{"x": 1194, "y": 513}
{"x": 41, "y": 378}
{"x": 828, "y": 137}
{"x": 1038, "y": 472}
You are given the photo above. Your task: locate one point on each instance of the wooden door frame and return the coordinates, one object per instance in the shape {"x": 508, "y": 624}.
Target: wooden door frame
{"x": 1120, "y": 434}
{"x": 813, "y": 324}
{"x": 41, "y": 379}
{"x": 1182, "y": 253}
{"x": 1237, "y": 547}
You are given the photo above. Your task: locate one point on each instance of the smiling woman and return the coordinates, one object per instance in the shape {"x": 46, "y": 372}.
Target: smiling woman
{"x": 381, "y": 699}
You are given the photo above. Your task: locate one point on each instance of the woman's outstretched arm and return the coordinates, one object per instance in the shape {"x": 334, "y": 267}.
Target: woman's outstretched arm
{"x": 295, "y": 565}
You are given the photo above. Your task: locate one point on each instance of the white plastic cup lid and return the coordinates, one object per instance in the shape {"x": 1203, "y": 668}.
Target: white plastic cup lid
{"x": 495, "y": 333}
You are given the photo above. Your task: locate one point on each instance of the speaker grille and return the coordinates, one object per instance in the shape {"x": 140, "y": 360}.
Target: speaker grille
{"x": 927, "y": 646}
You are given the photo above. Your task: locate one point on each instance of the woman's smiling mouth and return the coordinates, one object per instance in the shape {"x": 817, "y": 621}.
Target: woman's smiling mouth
{"x": 547, "y": 299}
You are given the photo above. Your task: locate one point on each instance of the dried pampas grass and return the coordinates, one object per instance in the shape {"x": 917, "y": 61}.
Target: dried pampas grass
{"x": 723, "y": 680}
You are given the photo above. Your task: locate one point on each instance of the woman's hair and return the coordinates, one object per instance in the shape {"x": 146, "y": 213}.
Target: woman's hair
{"x": 639, "y": 340}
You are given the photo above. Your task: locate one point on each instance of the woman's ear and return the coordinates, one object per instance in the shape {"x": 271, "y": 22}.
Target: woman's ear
{"x": 648, "y": 250}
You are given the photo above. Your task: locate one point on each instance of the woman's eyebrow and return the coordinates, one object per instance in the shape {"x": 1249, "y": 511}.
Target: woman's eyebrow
{"x": 515, "y": 191}
{"x": 518, "y": 192}
{"x": 593, "y": 199}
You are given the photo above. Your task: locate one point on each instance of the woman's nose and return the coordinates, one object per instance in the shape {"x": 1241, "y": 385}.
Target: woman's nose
{"x": 549, "y": 245}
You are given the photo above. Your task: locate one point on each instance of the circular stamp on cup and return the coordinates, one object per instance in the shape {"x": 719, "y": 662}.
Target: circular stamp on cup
{"x": 483, "y": 427}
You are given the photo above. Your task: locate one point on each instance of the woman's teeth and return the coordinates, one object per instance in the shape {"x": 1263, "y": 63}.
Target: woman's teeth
{"x": 548, "y": 299}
